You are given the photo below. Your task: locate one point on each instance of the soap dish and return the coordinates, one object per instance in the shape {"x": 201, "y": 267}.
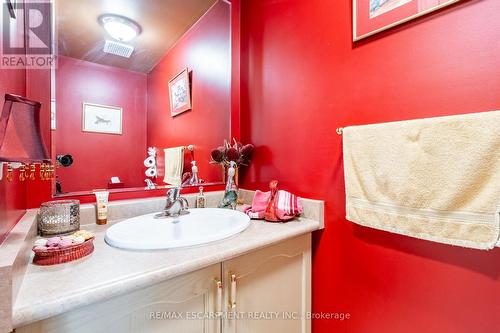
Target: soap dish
{"x": 59, "y": 256}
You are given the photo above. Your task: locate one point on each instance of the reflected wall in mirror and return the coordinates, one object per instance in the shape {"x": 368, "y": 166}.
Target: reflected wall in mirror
{"x": 118, "y": 56}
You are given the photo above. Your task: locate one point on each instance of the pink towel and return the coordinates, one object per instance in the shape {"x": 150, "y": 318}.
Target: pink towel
{"x": 259, "y": 204}
{"x": 283, "y": 206}
{"x": 289, "y": 205}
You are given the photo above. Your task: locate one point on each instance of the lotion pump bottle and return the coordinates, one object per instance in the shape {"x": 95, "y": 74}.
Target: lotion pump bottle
{"x": 200, "y": 199}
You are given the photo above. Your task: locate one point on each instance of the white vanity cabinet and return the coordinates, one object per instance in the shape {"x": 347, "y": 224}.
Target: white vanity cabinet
{"x": 267, "y": 290}
{"x": 146, "y": 310}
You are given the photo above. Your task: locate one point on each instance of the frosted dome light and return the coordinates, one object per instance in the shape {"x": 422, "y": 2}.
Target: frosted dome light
{"x": 120, "y": 27}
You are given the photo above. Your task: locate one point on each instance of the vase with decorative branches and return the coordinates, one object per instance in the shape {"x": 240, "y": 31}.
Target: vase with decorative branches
{"x": 237, "y": 152}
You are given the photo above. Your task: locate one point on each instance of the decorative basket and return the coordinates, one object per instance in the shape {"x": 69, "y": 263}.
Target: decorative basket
{"x": 59, "y": 256}
{"x": 59, "y": 217}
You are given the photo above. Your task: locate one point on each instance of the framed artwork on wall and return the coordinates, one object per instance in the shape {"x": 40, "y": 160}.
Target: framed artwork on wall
{"x": 180, "y": 93}
{"x": 373, "y": 16}
{"x": 98, "y": 118}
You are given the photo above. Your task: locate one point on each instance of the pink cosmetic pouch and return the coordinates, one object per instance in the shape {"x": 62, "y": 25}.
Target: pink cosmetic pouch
{"x": 285, "y": 206}
{"x": 259, "y": 204}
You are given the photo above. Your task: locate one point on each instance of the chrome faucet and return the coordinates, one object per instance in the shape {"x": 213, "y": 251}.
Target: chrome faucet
{"x": 176, "y": 205}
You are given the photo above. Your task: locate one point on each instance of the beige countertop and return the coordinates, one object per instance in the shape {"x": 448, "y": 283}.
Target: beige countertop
{"x": 47, "y": 291}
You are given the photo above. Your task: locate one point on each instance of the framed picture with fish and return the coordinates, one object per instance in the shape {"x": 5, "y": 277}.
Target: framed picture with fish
{"x": 179, "y": 89}
{"x": 99, "y": 118}
{"x": 373, "y": 16}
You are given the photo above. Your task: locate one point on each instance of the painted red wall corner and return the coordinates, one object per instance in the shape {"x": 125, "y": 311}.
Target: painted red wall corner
{"x": 235, "y": 68}
{"x": 205, "y": 51}
{"x": 12, "y": 194}
{"x": 301, "y": 77}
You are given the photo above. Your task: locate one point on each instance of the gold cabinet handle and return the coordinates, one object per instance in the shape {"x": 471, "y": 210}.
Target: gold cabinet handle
{"x": 218, "y": 302}
{"x": 232, "y": 298}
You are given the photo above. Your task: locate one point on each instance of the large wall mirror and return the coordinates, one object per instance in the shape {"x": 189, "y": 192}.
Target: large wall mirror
{"x": 141, "y": 90}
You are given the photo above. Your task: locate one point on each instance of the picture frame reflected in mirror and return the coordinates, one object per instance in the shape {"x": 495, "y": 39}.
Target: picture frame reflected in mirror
{"x": 179, "y": 89}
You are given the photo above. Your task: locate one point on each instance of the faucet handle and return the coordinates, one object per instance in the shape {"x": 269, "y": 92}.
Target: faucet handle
{"x": 174, "y": 193}
{"x": 184, "y": 203}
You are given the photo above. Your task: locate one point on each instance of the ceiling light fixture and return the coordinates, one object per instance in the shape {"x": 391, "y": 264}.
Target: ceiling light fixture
{"x": 120, "y": 27}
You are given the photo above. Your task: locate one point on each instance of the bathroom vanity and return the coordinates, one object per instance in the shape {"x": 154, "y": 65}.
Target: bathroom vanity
{"x": 261, "y": 273}
{"x": 276, "y": 278}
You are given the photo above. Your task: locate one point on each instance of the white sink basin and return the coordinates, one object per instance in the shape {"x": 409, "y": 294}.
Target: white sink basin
{"x": 200, "y": 226}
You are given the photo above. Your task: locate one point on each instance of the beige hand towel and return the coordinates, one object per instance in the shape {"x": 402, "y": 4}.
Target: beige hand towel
{"x": 174, "y": 164}
{"x": 436, "y": 179}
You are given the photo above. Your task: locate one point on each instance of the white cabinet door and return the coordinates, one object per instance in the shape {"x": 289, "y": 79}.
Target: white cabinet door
{"x": 178, "y": 305}
{"x": 269, "y": 290}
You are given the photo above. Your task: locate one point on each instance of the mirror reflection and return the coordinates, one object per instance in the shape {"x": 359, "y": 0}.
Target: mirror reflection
{"x": 141, "y": 93}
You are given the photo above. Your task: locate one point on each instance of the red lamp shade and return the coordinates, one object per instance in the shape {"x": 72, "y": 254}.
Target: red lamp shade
{"x": 20, "y": 138}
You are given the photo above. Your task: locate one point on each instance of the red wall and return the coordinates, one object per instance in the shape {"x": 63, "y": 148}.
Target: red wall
{"x": 301, "y": 78}
{"x": 12, "y": 194}
{"x": 205, "y": 50}
{"x": 110, "y": 155}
